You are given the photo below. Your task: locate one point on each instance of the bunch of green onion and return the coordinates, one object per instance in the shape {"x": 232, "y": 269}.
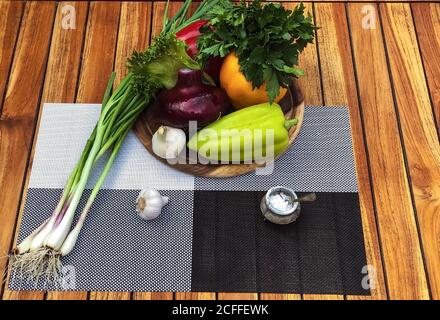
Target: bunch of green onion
{"x": 149, "y": 71}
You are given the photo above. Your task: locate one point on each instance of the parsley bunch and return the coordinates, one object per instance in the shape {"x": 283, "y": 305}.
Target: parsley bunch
{"x": 266, "y": 38}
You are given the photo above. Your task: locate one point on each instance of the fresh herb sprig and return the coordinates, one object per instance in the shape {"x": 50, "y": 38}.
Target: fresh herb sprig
{"x": 267, "y": 38}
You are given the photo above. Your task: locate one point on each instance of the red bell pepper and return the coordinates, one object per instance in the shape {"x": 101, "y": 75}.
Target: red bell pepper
{"x": 190, "y": 35}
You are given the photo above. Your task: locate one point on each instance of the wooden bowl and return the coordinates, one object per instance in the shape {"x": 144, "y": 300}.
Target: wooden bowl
{"x": 293, "y": 107}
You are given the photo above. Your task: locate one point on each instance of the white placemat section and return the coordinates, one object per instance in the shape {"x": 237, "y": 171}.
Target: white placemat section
{"x": 64, "y": 130}
{"x": 320, "y": 160}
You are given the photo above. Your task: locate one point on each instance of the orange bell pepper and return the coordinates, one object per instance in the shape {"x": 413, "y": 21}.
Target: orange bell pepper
{"x": 238, "y": 89}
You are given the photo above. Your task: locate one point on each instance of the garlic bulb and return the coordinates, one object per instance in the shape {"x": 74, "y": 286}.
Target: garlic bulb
{"x": 149, "y": 203}
{"x": 168, "y": 142}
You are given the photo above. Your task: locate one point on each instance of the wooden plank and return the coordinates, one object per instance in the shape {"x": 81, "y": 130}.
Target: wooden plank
{"x": 110, "y": 296}
{"x": 237, "y": 296}
{"x": 27, "y": 72}
{"x": 65, "y": 56}
{"x": 159, "y": 11}
{"x": 99, "y": 50}
{"x": 311, "y": 86}
{"x": 97, "y": 65}
{"x": 279, "y": 296}
{"x": 23, "y": 295}
{"x": 418, "y": 129}
{"x": 339, "y": 88}
{"x": 310, "y": 83}
{"x": 66, "y": 295}
{"x": 59, "y": 85}
{"x": 358, "y": 298}
{"x": 195, "y": 296}
{"x": 323, "y": 297}
{"x": 427, "y": 23}
{"x": 17, "y": 118}
{"x": 9, "y": 25}
{"x": 153, "y": 296}
{"x": 399, "y": 238}
{"x": 11, "y": 136}
{"x": 134, "y": 33}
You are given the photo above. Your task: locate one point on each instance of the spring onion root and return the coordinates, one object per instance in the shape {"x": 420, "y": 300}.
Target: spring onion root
{"x": 38, "y": 255}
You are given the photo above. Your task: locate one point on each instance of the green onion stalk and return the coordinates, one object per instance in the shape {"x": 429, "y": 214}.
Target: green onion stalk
{"x": 149, "y": 71}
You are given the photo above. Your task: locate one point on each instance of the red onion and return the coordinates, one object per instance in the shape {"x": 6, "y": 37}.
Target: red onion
{"x": 189, "y": 100}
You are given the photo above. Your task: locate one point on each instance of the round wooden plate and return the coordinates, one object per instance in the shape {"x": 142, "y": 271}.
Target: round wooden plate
{"x": 292, "y": 105}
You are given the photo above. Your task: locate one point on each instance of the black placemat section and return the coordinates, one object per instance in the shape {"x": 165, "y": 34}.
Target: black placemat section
{"x": 235, "y": 250}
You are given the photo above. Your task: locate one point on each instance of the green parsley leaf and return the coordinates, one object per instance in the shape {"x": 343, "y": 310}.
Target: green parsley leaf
{"x": 267, "y": 38}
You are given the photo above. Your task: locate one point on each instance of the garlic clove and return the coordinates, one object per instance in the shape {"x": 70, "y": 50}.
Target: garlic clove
{"x": 168, "y": 142}
{"x": 149, "y": 203}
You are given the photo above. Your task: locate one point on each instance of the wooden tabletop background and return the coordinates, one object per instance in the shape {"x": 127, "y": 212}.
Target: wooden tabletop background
{"x": 388, "y": 75}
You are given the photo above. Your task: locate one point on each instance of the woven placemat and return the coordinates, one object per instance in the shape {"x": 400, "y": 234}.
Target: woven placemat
{"x": 211, "y": 236}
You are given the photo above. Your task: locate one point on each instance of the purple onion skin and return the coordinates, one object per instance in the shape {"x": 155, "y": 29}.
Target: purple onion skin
{"x": 188, "y": 100}
{"x": 213, "y": 67}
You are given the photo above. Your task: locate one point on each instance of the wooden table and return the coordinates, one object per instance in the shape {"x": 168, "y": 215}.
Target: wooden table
{"x": 380, "y": 59}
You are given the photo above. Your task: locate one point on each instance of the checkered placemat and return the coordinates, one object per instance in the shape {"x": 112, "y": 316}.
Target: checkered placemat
{"x": 211, "y": 236}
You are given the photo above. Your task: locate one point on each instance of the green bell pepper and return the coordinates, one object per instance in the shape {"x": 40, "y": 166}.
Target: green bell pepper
{"x": 249, "y": 134}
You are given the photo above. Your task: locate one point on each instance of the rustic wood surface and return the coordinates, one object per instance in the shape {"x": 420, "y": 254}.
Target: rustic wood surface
{"x": 386, "y": 69}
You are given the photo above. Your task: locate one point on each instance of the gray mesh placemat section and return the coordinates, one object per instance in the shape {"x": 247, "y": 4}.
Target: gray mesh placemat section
{"x": 320, "y": 160}
{"x": 117, "y": 251}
